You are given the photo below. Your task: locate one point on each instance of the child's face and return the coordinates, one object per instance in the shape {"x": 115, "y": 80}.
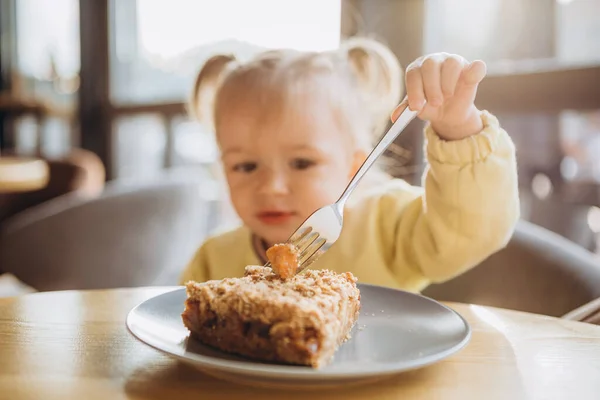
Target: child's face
{"x": 280, "y": 172}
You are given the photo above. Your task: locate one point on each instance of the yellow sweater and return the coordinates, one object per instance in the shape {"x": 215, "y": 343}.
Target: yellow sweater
{"x": 404, "y": 236}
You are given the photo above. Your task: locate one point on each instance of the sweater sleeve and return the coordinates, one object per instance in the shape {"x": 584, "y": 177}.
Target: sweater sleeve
{"x": 467, "y": 211}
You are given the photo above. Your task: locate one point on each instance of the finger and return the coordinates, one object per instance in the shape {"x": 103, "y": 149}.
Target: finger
{"x": 475, "y": 73}
{"x": 471, "y": 76}
{"x": 431, "y": 75}
{"x": 399, "y": 109}
{"x": 450, "y": 73}
{"x": 414, "y": 88}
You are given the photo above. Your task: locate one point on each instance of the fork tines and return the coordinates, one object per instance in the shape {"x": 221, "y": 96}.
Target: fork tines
{"x": 309, "y": 245}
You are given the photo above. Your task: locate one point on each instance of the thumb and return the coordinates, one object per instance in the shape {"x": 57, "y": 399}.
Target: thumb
{"x": 399, "y": 109}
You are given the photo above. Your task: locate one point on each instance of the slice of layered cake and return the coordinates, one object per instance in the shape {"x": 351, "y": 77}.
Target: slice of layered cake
{"x": 299, "y": 320}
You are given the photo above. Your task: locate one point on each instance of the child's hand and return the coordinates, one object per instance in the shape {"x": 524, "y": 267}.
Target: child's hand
{"x": 442, "y": 87}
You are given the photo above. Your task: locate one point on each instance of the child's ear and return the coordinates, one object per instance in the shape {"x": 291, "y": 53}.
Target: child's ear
{"x": 357, "y": 160}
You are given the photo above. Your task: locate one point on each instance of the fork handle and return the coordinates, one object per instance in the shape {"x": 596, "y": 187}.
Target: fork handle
{"x": 387, "y": 139}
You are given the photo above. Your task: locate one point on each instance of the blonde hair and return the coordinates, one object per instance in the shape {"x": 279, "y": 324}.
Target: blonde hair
{"x": 361, "y": 80}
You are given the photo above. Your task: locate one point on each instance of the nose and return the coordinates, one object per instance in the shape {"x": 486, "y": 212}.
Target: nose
{"x": 273, "y": 182}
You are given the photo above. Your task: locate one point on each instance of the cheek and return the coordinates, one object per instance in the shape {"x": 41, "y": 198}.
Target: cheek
{"x": 239, "y": 192}
{"x": 334, "y": 186}
{"x": 323, "y": 186}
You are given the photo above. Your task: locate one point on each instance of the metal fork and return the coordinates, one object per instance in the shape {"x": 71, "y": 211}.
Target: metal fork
{"x": 322, "y": 229}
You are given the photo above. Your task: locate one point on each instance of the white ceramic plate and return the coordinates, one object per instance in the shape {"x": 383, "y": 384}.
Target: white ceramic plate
{"x": 396, "y": 331}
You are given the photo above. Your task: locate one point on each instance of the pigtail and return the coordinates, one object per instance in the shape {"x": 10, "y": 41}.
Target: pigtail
{"x": 206, "y": 86}
{"x": 379, "y": 77}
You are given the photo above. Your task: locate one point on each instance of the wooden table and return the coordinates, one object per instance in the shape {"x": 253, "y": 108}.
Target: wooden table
{"x": 74, "y": 345}
{"x": 19, "y": 174}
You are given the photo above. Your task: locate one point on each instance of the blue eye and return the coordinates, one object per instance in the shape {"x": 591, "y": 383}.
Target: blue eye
{"x": 245, "y": 167}
{"x": 302, "y": 163}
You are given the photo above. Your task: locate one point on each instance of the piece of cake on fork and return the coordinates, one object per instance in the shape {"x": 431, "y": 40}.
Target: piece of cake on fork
{"x": 300, "y": 320}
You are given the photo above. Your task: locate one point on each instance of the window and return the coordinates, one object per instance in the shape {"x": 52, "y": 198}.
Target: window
{"x": 47, "y": 68}
{"x": 566, "y": 31}
{"x": 158, "y": 46}
{"x": 48, "y": 39}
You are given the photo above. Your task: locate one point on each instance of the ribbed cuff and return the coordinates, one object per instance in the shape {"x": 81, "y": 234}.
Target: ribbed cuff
{"x": 465, "y": 151}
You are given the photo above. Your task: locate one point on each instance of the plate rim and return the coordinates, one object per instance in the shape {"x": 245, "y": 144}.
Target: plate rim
{"x": 260, "y": 369}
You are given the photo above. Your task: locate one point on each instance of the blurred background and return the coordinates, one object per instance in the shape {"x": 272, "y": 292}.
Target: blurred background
{"x": 97, "y": 88}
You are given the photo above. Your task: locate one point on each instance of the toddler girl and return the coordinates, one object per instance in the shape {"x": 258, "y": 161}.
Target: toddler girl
{"x": 293, "y": 127}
